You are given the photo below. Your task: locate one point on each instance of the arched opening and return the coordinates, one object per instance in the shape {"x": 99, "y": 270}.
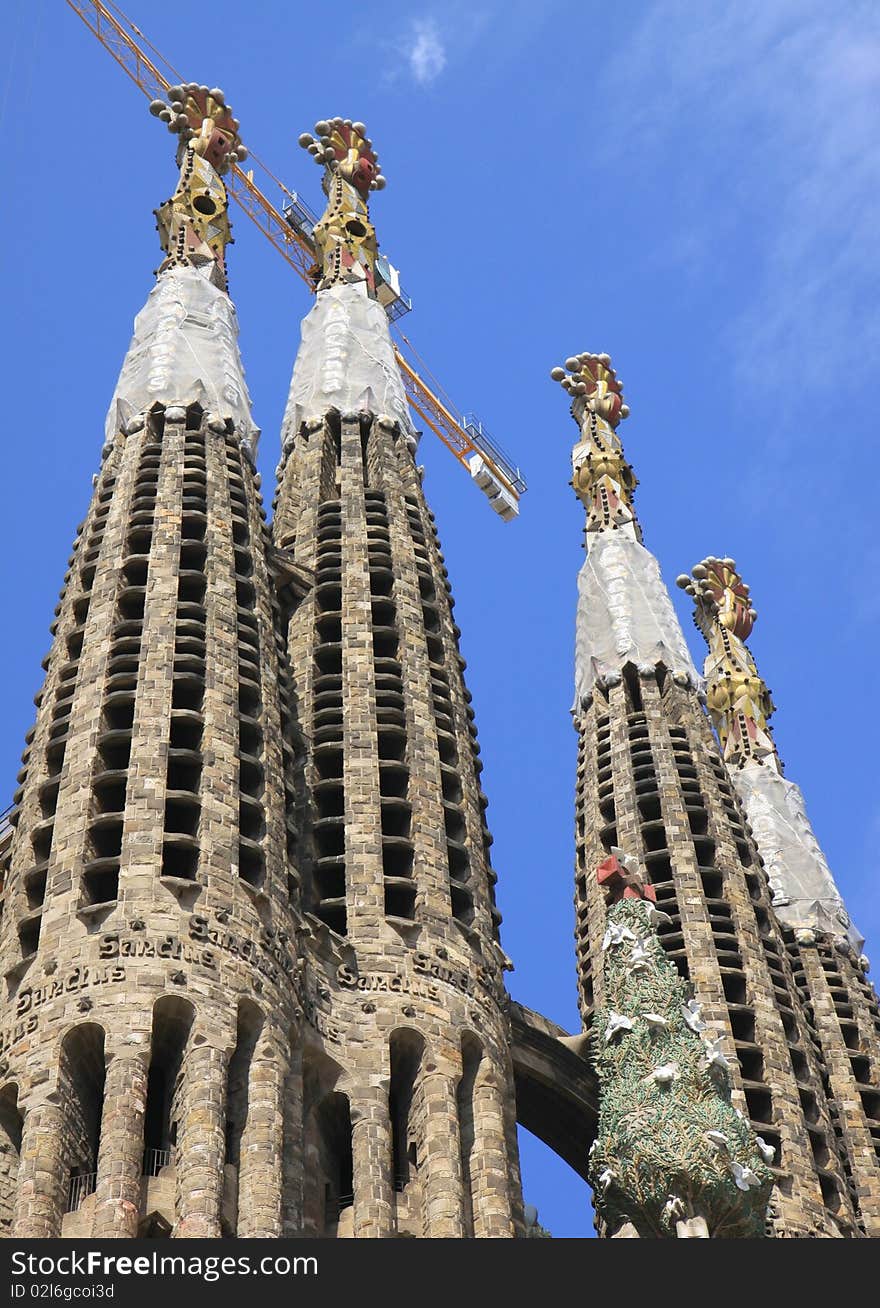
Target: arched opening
{"x": 172, "y": 1023}
{"x": 632, "y": 685}
{"x": 328, "y": 1183}
{"x": 407, "y": 1129}
{"x": 471, "y": 1054}
{"x": 333, "y": 1119}
{"x": 10, "y": 1148}
{"x": 81, "y": 1089}
{"x": 238, "y": 1094}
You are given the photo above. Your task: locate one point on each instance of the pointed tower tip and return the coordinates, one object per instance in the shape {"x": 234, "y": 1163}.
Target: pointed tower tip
{"x": 344, "y": 148}
{"x": 739, "y": 701}
{"x": 194, "y": 226}
{"x": 593, "y": 386}
{"x": 602, "y": 479}
{"x": 805, "y": 895}
{"x": 720, "y": 595}
{"x": 346, "y": 248}
{"x": 204, "y": 121}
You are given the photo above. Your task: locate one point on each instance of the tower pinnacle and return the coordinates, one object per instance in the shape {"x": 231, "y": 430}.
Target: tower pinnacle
{"x": 194, "y": 226}
{"x": 602, "y": 479}
{"x": 625, "y": 615}
{"x": 738, "y": 700}
{"x": 345, "y": 239}
{"x": 185, "y": 344}
{"x": 346, "y": 358}
{"x": 805, "y": 896}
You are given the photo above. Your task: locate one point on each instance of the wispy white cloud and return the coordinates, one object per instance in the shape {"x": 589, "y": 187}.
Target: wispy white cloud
{"x": 496, "y": 32}
{"x": 756, "y": 125}
{"x": 426, "y": 51}
{"x": 773, "y": 109}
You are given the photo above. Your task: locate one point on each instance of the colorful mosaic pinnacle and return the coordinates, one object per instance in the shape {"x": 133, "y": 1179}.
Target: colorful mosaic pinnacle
{"x": 345, "y": 239}
{"x": 594, "y": 386}
{"x": 672, "y": 1157}
{"x": 738, "y": 700}
{"x": 194, "y": 226}
{"x": 602, "y": 478}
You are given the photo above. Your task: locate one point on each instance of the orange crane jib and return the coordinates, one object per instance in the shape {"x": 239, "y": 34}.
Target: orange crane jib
{"x": 487, "y": 465}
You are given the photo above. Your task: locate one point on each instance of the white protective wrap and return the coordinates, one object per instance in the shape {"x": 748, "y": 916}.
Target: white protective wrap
{"x": 804, "y": 893}
{"x": 184, "y": 351}
{"x": 624, "y": 615}
{"x": 345, "y": 362}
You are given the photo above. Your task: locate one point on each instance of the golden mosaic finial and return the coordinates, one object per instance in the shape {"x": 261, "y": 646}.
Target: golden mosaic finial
{"x": 602, "y": 478}
{"x": 194, "y": 224}
{"x": 738, "y": 700}
{"x": 345, "y": 239}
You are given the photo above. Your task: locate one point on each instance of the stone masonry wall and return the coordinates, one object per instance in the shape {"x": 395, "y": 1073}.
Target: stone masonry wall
{"x": 401, "y": 964}
{"x": 147, "y": 910}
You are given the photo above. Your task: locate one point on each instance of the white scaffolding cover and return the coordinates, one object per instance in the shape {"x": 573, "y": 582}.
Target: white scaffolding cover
{"x": 804, "y": 893}
{"x": 624, "y": 615}
{"x": 345, "y": 362}
{"x": 184, "y": 351}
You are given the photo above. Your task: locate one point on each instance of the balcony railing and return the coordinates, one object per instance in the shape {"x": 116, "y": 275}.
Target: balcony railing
{"x": 82, "y": 1186}
{"x": 155, "y": 1160}
{"x": 80, "y": 1189}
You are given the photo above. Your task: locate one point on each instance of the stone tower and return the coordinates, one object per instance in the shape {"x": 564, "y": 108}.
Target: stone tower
{"x": 651, "y": 781}
{"x": 409, "y": 1105}
{"x": 824, "y": 945}
{"x": 147, "y": 934}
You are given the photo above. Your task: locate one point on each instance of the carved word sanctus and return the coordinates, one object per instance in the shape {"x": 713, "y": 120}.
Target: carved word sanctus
{"x": 79, "y": 978}
{"x": 424, "y": 984}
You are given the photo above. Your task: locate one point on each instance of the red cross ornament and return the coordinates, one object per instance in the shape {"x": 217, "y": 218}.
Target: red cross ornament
{"x": 619, "y": 883}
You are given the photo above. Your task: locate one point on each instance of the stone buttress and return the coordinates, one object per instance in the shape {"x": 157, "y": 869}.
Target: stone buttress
{"x": 824, "y": 945}
{"x": 147, "y": 935}
{"x": 408, "y": 1104}
{"x": 651, "y": 782}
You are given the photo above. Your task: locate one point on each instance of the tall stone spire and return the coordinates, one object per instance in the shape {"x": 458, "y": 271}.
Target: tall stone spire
{"x": 407, "y": 1052}
{"x": 824, "y": 943}
{"x": 805, "y": 895}
{"x": 651, "y": 782}
{"x": 147, "y": 933}
{"x": 185, "y": 344}
{"x": 624, "y": 614}
{"x": 345, "y": 362}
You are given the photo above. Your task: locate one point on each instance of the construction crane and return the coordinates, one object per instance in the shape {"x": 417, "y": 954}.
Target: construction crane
{"x": 289, "y": 231}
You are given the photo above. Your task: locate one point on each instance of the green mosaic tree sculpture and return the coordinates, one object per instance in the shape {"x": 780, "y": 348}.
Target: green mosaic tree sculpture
{"x": 673, "y": 1157}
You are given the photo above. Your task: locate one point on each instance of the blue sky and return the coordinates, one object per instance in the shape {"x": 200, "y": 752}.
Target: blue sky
{"x": 694, "y": 188}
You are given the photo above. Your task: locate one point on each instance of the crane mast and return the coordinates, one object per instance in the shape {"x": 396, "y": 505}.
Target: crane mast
{"x": 288, "y": 231}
